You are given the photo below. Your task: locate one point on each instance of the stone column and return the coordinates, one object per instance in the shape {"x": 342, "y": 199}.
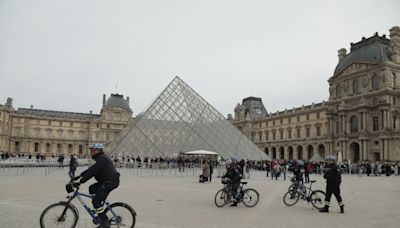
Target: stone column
{"x": 286, "y": 153}
{"x": 386, "y": 149}
{"x": 365, "y": 150}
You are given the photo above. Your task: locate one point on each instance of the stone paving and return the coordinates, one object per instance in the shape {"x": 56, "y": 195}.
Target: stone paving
{"x": 178, "y": 200}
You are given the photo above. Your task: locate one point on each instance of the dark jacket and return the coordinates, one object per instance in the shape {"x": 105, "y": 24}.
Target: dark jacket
{"x": 73, "y": 163}
{"x": 233, "y": 174}
{"x": 103, "y": 170}
{"x": 332, "y": 175}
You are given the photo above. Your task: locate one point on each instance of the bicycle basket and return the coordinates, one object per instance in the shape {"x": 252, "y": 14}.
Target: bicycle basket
{"x": 225, "y": 180}
{"x": 69, "y": 188}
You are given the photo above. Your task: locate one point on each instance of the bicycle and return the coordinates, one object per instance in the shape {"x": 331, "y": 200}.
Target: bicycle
{"x": 65, "y": 214}
{"x": 316, "y": 197}
{"x": 248, "y": 196}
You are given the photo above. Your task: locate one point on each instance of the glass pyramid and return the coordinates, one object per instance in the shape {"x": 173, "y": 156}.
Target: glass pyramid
{"x": 180, "y": 120}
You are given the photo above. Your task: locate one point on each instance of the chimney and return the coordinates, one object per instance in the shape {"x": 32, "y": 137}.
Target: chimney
{"x": 9, "y": 102}
{"x": 395, "y": 43}
{"x": 342, "y": 53}
{"x": 31, "y": 106}
{"x": 104, "y": 99}
{"x": 230, "y": 117}
{"x": 127, "y": 98}
{"x": 91, "y": 112}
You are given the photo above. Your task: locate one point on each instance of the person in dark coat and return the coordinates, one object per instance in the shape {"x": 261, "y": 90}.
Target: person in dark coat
{"x": 211, "y": 169}
{"x": 107, "y": 180}
{"x": 234, "y": 175}
{"x": 333, "y": 180}
{"x": 73, "y": 165}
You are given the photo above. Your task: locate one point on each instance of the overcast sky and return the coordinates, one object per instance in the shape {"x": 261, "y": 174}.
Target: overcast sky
{"x": 63, "y": 55}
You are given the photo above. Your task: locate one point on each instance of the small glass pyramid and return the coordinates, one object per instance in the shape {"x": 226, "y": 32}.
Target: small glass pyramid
{"x": 180, "y": 120}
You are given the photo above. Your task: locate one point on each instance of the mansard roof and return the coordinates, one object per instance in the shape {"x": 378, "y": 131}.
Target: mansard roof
{"x": 56, "y": 114}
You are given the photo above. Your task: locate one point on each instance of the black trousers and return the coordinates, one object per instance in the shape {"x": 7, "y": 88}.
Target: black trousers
{"x": 101, "y": 191}
{"x": 335, "y": 190}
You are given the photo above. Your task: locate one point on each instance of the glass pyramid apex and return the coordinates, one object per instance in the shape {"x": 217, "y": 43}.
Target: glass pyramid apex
{"x": 180, "y": 120}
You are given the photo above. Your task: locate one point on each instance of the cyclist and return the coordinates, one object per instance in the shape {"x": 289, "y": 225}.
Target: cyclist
{"x": 234, "y": 175}
{"x": 107, "y": 180}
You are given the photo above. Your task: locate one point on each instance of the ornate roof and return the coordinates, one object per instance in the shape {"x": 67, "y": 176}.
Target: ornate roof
{"x": 372, "y": 50}
{"x": 56, "y": 114}
{"x": 117, "y": 100}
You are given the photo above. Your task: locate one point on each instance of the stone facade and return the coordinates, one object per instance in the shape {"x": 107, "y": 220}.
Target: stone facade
{"x": 53, "y": 132}
{"x": 360, "y": 121}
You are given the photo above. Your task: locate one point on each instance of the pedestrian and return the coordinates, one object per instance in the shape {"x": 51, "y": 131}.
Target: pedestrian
{"x": 206, "y": 172}
{"x": 60, "y": 161}
{"x": 211, "y": 170}
{"x": 267, "y": 167}
{"x": 333, "y": 181}
{"x": 73, "y": 165}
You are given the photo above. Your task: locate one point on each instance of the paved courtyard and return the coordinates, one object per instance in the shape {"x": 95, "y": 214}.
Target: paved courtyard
{"x": 170, "y": 199}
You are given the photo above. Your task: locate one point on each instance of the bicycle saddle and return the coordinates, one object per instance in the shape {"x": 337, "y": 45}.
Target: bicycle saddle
{"x": 313, "y": 181}
{"x": 243, "y": 182}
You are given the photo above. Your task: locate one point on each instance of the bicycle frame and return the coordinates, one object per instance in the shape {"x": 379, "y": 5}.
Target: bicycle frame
{"x": 78, "y": 195}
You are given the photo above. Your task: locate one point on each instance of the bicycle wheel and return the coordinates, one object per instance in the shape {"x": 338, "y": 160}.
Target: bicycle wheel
{"x": 250, "y": 197}
{"x": 291, "y": 198}
{"x": 221, "y": 198}
{"x": 317, "y": 199}
{"x": 121, "y": 215}
{"x": 292, "y": 187}
{"x": 59, "y": 215}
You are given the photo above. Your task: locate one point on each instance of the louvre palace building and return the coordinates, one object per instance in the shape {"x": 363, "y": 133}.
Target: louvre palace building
{"x": 29, "y": 130}
{"x": 359, "y": 121}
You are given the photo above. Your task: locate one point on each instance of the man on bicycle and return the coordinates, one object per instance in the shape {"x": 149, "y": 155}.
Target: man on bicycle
{"x": 234, "y": 175}
{"x": 107, "y": 179}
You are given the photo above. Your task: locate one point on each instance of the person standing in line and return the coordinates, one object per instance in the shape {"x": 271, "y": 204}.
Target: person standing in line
{"x": 61, "y": 161}
{"x": 333, "y": 181}
{"x": 73, "y": 165}
{"x": 211, "y": 170}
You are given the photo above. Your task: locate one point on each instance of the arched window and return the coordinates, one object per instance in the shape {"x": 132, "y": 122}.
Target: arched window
{"x": 338, "y": 91}
{"x": 354, "y": 124}
{"x": 375, "y": 82}
{"x": 356, "y": 87}
{"x": 36, "y": 147}
{"x": 17, "y": 147}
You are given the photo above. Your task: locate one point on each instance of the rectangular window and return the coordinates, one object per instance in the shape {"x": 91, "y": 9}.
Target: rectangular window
{"x": 281, "y": 134}
{"x": 298, "y": 133}
{"x": 290, "y": 120}
{"x": 273, "y": 123}
{"x": 298, "y": 118}
{"x": 281, "y": 121}
{"x": 273, "y": 135}
{"x": 375, "y": 122}
{"x": 394, "y": 101}
{"x": 308, "y": 117}
{"x": 318, "y": 131}
{"x": 260, "y": 136}
{"x": 266, "y": 136}
{"x": 308, "y": 132}
{"x": 60, "y": 123}
{"x": 71, "y": 124}
{"x": 289, "y": 134}
{"x": 49, "y": 123}
{"x": 317, "y": 115}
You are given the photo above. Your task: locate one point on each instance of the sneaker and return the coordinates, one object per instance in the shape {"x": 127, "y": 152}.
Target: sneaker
{"x": 104, "y": 224}
{"x": 325, "y": 209}
{"x": 234, "y": 204}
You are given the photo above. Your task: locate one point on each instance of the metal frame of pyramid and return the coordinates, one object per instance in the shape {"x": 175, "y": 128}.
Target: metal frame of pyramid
{"x": 180, "y": 120}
